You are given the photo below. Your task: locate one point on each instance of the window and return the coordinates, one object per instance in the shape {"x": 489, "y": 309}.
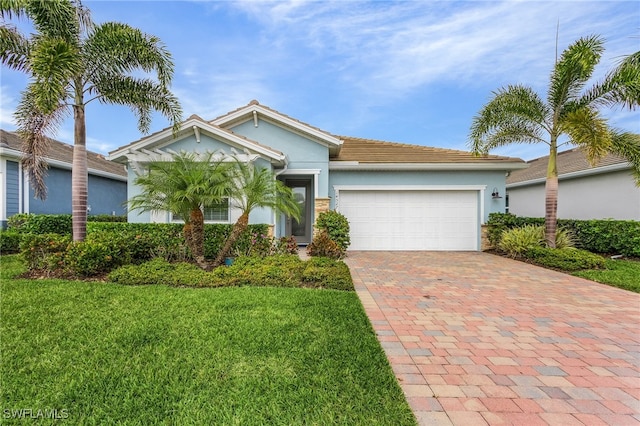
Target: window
{"x": 218, "y": 212}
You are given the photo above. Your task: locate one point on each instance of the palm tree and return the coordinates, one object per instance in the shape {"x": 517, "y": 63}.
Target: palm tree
{"x": 184, "y": 187}
{"x": 516, "y": 114}
{"x": 253, "y": 187}
{"x": 72, "y": 62}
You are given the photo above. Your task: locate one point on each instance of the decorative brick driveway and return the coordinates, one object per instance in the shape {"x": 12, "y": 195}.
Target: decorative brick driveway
{"x": 477, "y": 339}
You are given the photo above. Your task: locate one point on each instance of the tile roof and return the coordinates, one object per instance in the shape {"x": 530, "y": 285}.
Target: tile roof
{"x": 571, "y": 161}
{"x": 375, "y": 151}
{"x": 63, "y": 152}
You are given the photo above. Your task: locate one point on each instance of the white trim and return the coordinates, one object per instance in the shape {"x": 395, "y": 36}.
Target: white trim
{"x": 356, "y": 165}
{"x": 23, "y": 190}
{"x": 314, "y": 172}
{"x": 189, "y": 127}
{"x": 64, "y": 165}
{"x": 580, "y": 173}
{"x": 295, "y": 124}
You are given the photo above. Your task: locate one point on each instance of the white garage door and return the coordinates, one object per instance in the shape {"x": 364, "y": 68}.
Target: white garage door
{"x": 411, "y": 220}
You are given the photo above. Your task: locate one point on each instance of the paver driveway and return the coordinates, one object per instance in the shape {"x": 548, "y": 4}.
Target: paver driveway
{"x": 478, "y": 339}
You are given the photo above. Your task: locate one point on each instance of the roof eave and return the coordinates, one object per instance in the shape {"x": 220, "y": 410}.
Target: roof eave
{"x": 572, "y": 175}
{"x": 121, "y": 155}
{"x": 357, "y": 165}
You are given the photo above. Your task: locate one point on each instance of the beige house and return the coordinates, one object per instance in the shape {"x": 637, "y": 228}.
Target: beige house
{"x": 604, "y": 191}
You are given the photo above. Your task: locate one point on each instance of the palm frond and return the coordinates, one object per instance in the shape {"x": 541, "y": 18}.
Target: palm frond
{"x": 33, "y": 126}
{"x": 142, "y": 95}
{"x": 627, "y": 146}
{"x": 57, "y": 19}
{"x": 14, "y": 48}
{"x": 573, "y": 70}
{"x": 620, "y": 87}
{"x": 118, "y": 49}
{"x": 516, "y": 112}
{"x": 587, "y": 129}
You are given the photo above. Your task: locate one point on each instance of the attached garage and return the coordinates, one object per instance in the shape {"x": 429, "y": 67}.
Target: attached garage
{"x": 412, "y": 218}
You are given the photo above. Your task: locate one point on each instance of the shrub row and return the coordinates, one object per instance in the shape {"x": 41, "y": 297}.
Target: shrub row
{"x": 110, "y": 245}
{"x": 597, "y": 236}
{"x": 29, "y": 223}
{"x": 565, "y": 259}
{"x": 276, "y": 271}
{"x": 9, "y": 241}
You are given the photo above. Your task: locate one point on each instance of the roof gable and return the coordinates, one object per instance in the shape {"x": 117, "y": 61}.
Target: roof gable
{"x": 254, "y": 111}
{"x": 61, "y": 154}
{"x": 194, "y": 125}
{"x": 573, "y": 161}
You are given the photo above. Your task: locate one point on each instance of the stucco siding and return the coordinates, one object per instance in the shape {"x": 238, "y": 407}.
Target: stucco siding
{"x": 602, "y": 196}
{"x": 297, "y": 147}
{"x": 190, "y": 144}
{"x": 426, "y": 178}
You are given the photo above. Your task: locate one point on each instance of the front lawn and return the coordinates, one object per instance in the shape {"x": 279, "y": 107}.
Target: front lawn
{"x": 619, "y": 273}
{"x": 99, "y": 352}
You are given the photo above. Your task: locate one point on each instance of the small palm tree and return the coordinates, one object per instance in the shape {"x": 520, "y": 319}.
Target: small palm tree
{"x": 184, "y": 187}
{"x": 253, "y": 187}
{"x": 516, "y": 114}
{"x": 73, "y": 62}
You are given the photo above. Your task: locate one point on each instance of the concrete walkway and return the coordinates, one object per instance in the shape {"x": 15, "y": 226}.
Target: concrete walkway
{"x": 478, "y": 339}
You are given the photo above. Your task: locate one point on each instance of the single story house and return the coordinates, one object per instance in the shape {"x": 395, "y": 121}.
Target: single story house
{"x": 606, "y": 190}
{"x": 107, "y": 182}
{"x": 395, "y": 196}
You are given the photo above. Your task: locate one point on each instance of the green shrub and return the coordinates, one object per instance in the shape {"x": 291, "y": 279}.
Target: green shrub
{"x": 598, "y": 236}
{"x": 516, "y": 241}
{"x": 274, "y": 271}
{"x": 9, "y": 241}
{"x": 87, "y": 258}
{"x": 336, "y": 225}
{"x": 106, "y": 218}
{"x": 44, "y": 251}
{"x": 323, "y": 272}
{"x": 41, "y": 223}
{"x": 567, "y": 259}
{"x": 323, "y": 246}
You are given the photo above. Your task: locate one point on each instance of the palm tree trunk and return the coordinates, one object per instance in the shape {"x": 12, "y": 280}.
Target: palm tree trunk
{"x": 238, "y": 228}
{"x": 79, "y": 177}
{"x": 551, "y": 199}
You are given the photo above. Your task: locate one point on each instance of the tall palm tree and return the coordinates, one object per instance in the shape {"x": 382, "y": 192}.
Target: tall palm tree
{"x": 516, "y": 114}
{"x": 184, "y": 187}
{"x": 72, "y": 62}
{"x": 253, "y": 187}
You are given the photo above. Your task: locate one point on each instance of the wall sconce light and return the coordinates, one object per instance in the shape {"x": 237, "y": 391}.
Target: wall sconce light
{"x": 495, "y": 194}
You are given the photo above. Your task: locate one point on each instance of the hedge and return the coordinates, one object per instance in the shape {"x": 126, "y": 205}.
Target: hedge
{"x": 29, "y": 223}
{"x": 604, "y": 236}
{"x": 272, "y": 271}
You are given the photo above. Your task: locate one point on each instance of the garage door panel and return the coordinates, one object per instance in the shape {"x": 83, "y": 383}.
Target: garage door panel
{"x": 411, "y": 220}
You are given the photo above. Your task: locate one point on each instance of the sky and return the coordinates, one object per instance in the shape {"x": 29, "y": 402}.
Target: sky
{"x": 401, "y": 71}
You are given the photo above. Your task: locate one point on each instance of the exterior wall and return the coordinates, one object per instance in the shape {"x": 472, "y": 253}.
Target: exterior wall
{"x": 492, "y": 179}
{"x": 603, "y": 196}
{"x": 302, "y": 153}
{"x": 106, "y": 196}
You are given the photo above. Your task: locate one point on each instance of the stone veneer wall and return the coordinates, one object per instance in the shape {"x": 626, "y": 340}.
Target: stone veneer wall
{"x": 484, "y": 238}
{"x": 321, "y": 205}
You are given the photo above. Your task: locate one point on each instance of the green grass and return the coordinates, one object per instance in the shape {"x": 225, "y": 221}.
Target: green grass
{"x": 619, "y": 273}
{"x": 161, "y": 355}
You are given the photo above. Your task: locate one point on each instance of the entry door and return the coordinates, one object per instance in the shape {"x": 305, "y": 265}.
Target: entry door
{"x": 301, "y": 229}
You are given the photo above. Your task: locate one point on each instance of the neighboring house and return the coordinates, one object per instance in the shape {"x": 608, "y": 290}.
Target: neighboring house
{"x": 604, "y": 191}
{"x": 395, "y": 196}
{"x": 107, "y": 181}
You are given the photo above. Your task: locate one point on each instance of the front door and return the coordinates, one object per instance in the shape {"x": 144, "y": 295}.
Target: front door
{"x": 300, "y": 229}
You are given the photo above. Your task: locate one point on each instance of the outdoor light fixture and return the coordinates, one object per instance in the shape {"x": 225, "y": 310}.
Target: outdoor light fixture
{"x": 495, "y": 194}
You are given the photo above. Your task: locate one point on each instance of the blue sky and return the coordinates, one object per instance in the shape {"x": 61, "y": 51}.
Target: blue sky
{"x": 407, "y": 71}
